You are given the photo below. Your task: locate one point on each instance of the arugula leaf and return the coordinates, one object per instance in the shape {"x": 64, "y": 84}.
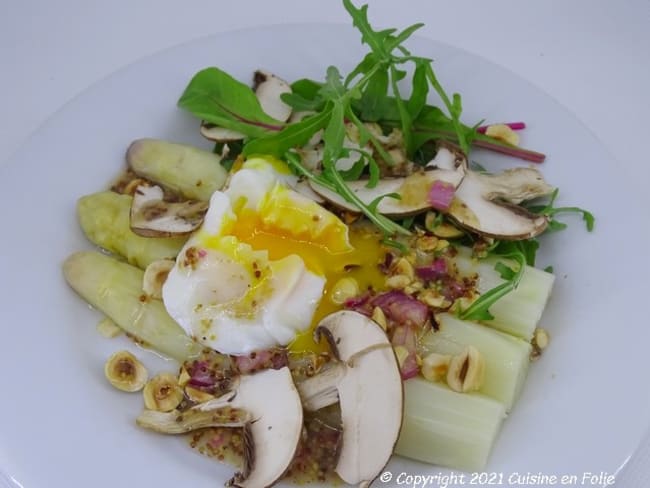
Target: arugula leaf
{"x": 215, "y": 96}
{"x": 480, "y": 309}
{"x": 306, "y": 88}
{"x": 453, "y": 107}
{"x": 294, "y": 135}
{"x": 368, "y": 35}
{"x": 300, "y": 103}
{"x": 408, "y": 222}
{"x": 366, "y": 64}
{"x": 555, "y": 226}
{"x": 419, "y": 91}
{"x": 527, "y": 248}
{"x": 587, "y": 216}
{"x": 333, "y": 88}
{"x": 354, "y": 173}
{"x": 375, "y": 203}
{"x": 405, "y": 116}
{"x": 371, "y": 101}
{"x": 333, "y": 137}
{"x": 551, "y": 211}
{"x": 478, "y": 167}
{"x": 505, "y": 271}
{"x": 396, "y": 41}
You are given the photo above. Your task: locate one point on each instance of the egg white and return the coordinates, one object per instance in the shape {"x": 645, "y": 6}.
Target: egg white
{"x": 230, "y": 297}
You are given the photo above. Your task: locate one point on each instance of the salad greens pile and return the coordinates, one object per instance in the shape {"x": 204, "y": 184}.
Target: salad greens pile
{"x": 369, "y": 93}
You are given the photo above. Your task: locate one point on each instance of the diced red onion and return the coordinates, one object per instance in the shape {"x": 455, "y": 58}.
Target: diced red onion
{"x": 441, "y": 194}
{"x": 200, "y": 374}
{"x": 255, "y": 360}
{"x": 264, "y": 359}
{"x": 434, "y": 271}
{"x": 410, "y": 367}
{"x": 402, "y": 308}
{"x": 358, "y": 304}
{"x": 453, "y": 290}
{"x": 217, "y": 440}
{"x": 279, "y": 359}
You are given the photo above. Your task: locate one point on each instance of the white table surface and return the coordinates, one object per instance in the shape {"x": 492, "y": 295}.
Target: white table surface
{"x": 591, "y": 55}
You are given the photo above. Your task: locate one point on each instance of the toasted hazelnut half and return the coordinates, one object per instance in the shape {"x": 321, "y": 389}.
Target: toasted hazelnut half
{"x": 162, "y": 393}
{"x": 155, "y": 276}
{"x": 125, "y": 372}
{"x": 466, "y": 371}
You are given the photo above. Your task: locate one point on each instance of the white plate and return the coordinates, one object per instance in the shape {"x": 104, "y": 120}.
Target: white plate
{"x": 585, "y": 404}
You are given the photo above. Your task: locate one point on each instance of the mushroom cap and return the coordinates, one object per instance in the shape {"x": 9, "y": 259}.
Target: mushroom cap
{"x": 370, "y": 394}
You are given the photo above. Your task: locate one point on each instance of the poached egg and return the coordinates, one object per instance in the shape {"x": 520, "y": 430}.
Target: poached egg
{"x": 257, "y": 272}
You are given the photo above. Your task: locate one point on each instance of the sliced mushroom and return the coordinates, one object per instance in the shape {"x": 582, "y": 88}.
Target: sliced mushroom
{"x": 367, "y": 381}
{"x": 304, "y": 188}
{"x": 487, "y": 204}
{"x": 219, "y": 134}
{"x": 266, "y": 404}
{"x": 268, "y": 89}
{"x": 152, "y": 216}
{"x": 449, "y": 166}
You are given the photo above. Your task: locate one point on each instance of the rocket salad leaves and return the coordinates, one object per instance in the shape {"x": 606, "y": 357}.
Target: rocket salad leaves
{"x": 371, "y": 92}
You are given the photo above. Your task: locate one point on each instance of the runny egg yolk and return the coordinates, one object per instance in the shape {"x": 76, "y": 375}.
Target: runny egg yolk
{"x": 281, "y": 227}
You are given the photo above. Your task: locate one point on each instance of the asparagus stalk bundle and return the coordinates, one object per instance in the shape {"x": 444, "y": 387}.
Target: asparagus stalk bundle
{"x": 443, "y": 427}
{"x": 506, "y": 357}
{"x": 115, "y": 288}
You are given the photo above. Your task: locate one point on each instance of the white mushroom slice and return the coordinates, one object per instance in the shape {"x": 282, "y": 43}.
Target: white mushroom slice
{"x": 151, "y": 216}
{"x": 412, "y": 189}
{"x": 273, "y": 402}
{"x": 266, "y": 404}
{"x": 369, "y": 390}
{"x": 448, "y": 157}
{"x": 322, "y": 390}
{"x": 516, "y": 185}
{"x": 303, "y": 187}
{"x": 449, "y": 166}
{"x": 269, "y": 89}
{"x": 311, "y": 157}
{"x": 219, "y": 134}
{"x": 486, "y": 204}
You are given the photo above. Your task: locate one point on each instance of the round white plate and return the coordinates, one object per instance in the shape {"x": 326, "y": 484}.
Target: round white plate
{"x": 585, "y": 404}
